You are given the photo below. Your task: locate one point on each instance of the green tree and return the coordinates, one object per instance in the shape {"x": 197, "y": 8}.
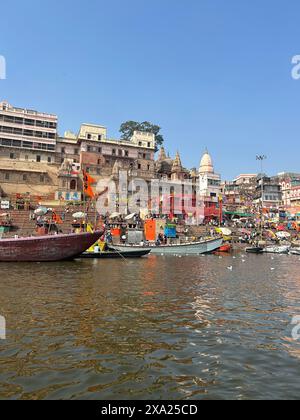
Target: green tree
{"x": 129, "y": 127}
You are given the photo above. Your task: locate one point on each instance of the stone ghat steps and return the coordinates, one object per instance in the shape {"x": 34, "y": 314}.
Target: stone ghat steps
{"x": 25, "y": 226}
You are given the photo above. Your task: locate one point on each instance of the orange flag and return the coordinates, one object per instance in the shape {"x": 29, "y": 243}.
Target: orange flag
{"x": 87, "y": 184}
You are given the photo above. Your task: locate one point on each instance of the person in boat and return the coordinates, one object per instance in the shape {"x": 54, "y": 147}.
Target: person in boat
{"x": 97, "y": 249}
{"x": 109, "y": 238}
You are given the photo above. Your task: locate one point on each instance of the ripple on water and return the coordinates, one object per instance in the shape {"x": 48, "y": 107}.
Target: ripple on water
{"x": 154, "y": 328}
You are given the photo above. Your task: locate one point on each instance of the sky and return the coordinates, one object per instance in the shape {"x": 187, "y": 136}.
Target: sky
{"x": 211, "y": 73}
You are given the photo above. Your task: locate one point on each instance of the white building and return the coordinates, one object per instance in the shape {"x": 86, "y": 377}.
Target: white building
{"x": 209, "y": 181}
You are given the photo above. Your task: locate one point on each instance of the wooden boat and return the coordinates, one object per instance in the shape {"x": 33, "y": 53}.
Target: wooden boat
{"x": 190, "y": 248}
{"x": 284, "y": 249}
{"x": 46, "y": 248}
{"x": 225, "y": 248}
{"x": 255, "y": 250}
{"x": 113, "y": 254}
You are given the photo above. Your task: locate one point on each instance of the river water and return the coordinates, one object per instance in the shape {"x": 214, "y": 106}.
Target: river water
{"x": 155, "y": 328}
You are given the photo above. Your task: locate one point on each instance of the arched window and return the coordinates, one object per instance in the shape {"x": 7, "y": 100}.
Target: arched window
{"x": 73, "y": 184}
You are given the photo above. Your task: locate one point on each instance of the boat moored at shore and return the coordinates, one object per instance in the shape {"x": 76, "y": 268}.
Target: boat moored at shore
{"x": 113, "y": 254}
{"x": 283, "y": 249}
{"x": 46, "y": 248}
{"x": 190, "y": 248}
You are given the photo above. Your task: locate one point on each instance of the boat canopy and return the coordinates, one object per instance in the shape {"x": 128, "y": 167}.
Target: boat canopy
{"x": 235, "y": 213}
{"x": 79, "y": 215}
{"x": 130, "y": 216}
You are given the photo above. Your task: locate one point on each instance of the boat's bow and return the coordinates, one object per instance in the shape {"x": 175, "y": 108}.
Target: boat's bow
{"x": 47, "y": 248}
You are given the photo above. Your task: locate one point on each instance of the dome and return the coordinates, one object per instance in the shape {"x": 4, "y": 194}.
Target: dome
{"x": 206, "y": 165}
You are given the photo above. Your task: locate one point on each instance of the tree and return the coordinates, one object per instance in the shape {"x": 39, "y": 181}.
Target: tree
{"x": 129, "y": 127}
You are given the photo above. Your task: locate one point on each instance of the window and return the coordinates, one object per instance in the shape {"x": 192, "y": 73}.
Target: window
{"x": 16, "y": 143}
{"x": 6, "y": 142}
{"x": 73, "y": 184}
{"x": 7, "y": 177}
{"x": 99, "y": 161}
{"x": 100, "y": 137}
{"x": 120, "y": 153}
{"x": 89, "y": 149}
{"x": 114, "y": 151}
{"x": 63, "y": 150}
{"x": 76, "y": 152}
{"x": 89, "y": 137}
{"x": 26, "y": 157}
{"x": 12, "y": 156}
{"x": 148, "y": 167}
{"x": 99, "y": 150}
{"x": 29, "y": 122}
{"x": 38, "y": 158}
{"x": 149, "y": 145}
{"x": 139, "y": 166}
{"x": 49, "y": 159}
{"x": 24, "y": 177}
{"x": 126, "y": 153}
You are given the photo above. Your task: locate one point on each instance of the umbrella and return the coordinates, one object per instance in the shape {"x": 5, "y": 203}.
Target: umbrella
{"x": 224, "y": 231}
{"x": 283, "y": 235}
{"x": 270, "y": 234}
{"x": 79, "y": 215}
{"x": 41, "y": 211}
{"x": 245, "y": 231}
{"x": 115, "y": 215}
{"x": 130, "y": 216}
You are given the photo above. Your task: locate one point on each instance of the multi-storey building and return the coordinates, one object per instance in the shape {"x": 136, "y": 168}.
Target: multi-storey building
{"x": 290, "y": 186}
{"x": 268, "y": 192}
{"x": 240, "y": 193}
{"x": 36, "y": 161}
{"x": 27, "y": 135}
{"x": 27, "y": 150}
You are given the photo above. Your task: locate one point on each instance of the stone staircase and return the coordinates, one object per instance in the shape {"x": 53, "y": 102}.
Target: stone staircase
{"x": 23, "y": 225}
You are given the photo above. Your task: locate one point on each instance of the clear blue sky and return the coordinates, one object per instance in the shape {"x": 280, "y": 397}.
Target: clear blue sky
{"x": 212, "y": 73}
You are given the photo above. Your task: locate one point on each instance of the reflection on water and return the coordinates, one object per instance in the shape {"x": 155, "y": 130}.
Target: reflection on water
{"x": 155, "y": 328}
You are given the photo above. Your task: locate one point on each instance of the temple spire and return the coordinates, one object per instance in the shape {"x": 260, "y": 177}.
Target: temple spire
{"x": 177, "y": 165}
{"x": 162, "y": 154}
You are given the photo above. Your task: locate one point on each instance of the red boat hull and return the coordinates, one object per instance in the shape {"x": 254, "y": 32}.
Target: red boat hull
{"x": 224, "y": 249}
{"x": 46, "y": 248}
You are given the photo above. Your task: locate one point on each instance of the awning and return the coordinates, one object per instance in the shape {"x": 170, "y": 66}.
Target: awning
{"x": 234, "y": 213}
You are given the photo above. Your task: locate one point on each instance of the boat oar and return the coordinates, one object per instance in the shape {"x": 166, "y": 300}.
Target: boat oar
{"x": 119, "y": 253}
